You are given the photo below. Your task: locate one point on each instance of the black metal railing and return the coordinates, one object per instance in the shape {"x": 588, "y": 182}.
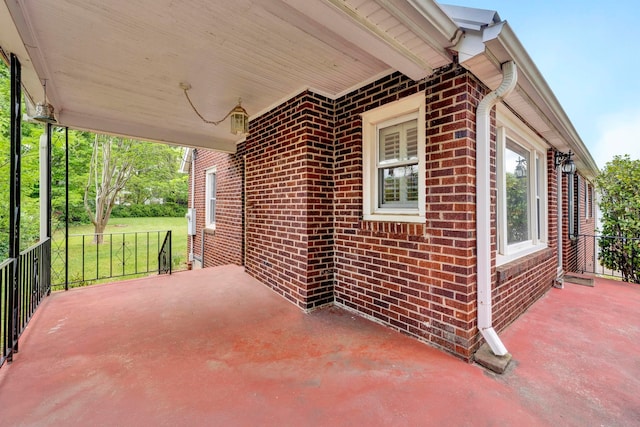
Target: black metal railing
{"x": 118, "y": 255}
{"x": 35, "y": 279}
{"x": 164, "y": 256}
{"x": 24, "y": 282}
{"x": 6, "y": 308}
{"x": 611, "y": 256}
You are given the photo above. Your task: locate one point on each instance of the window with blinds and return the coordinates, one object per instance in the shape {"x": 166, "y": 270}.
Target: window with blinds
{"x": 393, "y": 161}
{"x": 398, "y": 165}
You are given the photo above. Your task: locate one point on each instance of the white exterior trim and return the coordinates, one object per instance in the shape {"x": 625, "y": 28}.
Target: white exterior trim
{"x": 370, "y": 121}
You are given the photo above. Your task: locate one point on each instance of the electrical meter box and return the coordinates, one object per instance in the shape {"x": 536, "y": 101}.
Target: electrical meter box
{"x": 191, "y": 221}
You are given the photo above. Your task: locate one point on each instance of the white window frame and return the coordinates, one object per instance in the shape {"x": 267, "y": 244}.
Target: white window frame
{"x": 210, "y": 196}
{"x": 587, "y": 199}
{"x": 512, "y": 129}
{"x": 411, "y": 107}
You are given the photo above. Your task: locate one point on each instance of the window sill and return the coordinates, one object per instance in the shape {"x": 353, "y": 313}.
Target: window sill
{"x": 394, "y": 218}
{"x": 522, "y": 264}
{"x": 517, "y": 254}
{"x": 210, "y": 229}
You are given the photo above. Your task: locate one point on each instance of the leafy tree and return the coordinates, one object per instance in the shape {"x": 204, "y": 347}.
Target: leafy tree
{"x": 30, "y": 179}
{"x": 111, "y": 166}
{"x": 144, "y": 169}
{"x": 618, "y": 185}
{"x": 80, "y": 144}
{"x": 4, "y": 159}
{"x": 157, "y": 178}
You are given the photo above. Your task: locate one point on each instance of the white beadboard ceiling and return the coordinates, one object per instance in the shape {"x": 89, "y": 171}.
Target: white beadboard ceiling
{"x": 115, "y": 66}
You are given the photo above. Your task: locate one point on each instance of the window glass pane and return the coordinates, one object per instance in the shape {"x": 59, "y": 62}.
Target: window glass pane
{"x": 517, "y": 197}
{"x": 212, "y": 211}
{"x": 399, "y": 186}
{"x": 540, "y": 183}
{"x": 211, "y": 198}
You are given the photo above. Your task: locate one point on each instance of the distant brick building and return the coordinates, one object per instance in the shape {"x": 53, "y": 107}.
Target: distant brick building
{"x": 373, "y": 200}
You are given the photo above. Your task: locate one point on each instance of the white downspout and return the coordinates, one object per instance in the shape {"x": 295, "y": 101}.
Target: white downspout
{"x": 483, "y": 205}
{"x": 559, "y": 271}
{"x": 193, "y": 200}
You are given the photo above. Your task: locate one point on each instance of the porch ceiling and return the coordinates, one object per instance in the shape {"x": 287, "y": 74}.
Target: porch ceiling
{"x": 116, "y": 66}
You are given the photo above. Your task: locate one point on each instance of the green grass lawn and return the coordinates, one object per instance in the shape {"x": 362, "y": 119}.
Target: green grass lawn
{"x": 130, "y": 246}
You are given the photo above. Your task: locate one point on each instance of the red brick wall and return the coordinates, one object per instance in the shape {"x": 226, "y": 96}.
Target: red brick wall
{"x": 416, "y": 278}
{"x": 225, "y": 245}
{"x": 289, "y": 186}
{"x": 305, "y": 237}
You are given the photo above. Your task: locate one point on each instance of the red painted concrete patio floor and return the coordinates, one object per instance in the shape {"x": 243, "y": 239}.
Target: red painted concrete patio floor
{"x": 215, "y": 347}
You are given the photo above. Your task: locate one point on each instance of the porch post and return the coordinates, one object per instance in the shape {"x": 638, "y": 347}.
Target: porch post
{"x": 14, "y": 204}
{"x": 48, "y": 232}
{"x": 45, "y": 183}
{"x": 66, "y": 209}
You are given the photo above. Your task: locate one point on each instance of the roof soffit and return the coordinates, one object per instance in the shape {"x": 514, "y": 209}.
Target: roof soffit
{"x": 115, "y": 67}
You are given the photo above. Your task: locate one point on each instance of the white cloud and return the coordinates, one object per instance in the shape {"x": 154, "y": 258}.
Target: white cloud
{"x": 617, "y": 135}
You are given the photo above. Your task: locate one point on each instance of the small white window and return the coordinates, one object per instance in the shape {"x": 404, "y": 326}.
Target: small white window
{"x": 522, "y": 184}
{"x": 394, "y": 161}
{"x": 210, "y": 207}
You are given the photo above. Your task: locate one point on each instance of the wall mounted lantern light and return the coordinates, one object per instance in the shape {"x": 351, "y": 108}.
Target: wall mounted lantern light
{"x": 564, "y": 160}
{"x": 44, "y": 110}
{"x": 238, "y": 116}
{"x": 521, "y": 168}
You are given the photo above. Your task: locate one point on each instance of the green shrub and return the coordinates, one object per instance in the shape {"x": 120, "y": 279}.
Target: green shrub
{"x": 144, "y": 211}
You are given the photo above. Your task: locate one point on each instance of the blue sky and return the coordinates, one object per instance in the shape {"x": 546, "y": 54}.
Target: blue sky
{"x": 587, "y": 52}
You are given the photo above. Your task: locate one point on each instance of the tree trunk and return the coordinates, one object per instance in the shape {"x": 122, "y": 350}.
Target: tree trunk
{"x": 98, "y": 230}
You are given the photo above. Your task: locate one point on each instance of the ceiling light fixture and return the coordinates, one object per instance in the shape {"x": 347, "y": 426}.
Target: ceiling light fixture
{"x": 44, "y": 110}
{"x": 239, "y": 117}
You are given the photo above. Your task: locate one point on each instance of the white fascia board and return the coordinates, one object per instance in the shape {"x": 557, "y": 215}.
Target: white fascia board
{"x": 339, "y": 18}
{"x": 145, "y": 132}
{"x": 532, "y": 80}
{"x": 185, "y": 162}
{"x": 435, "y": 17}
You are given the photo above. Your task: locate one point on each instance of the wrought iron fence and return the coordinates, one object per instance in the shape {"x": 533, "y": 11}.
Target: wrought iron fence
{"x": 117, "y": 255}
{"x": 24, "y": 282}
{"x": 7, "y": 269}
{"x": 612, "y": 256}
{"x": 164, "y": 256}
